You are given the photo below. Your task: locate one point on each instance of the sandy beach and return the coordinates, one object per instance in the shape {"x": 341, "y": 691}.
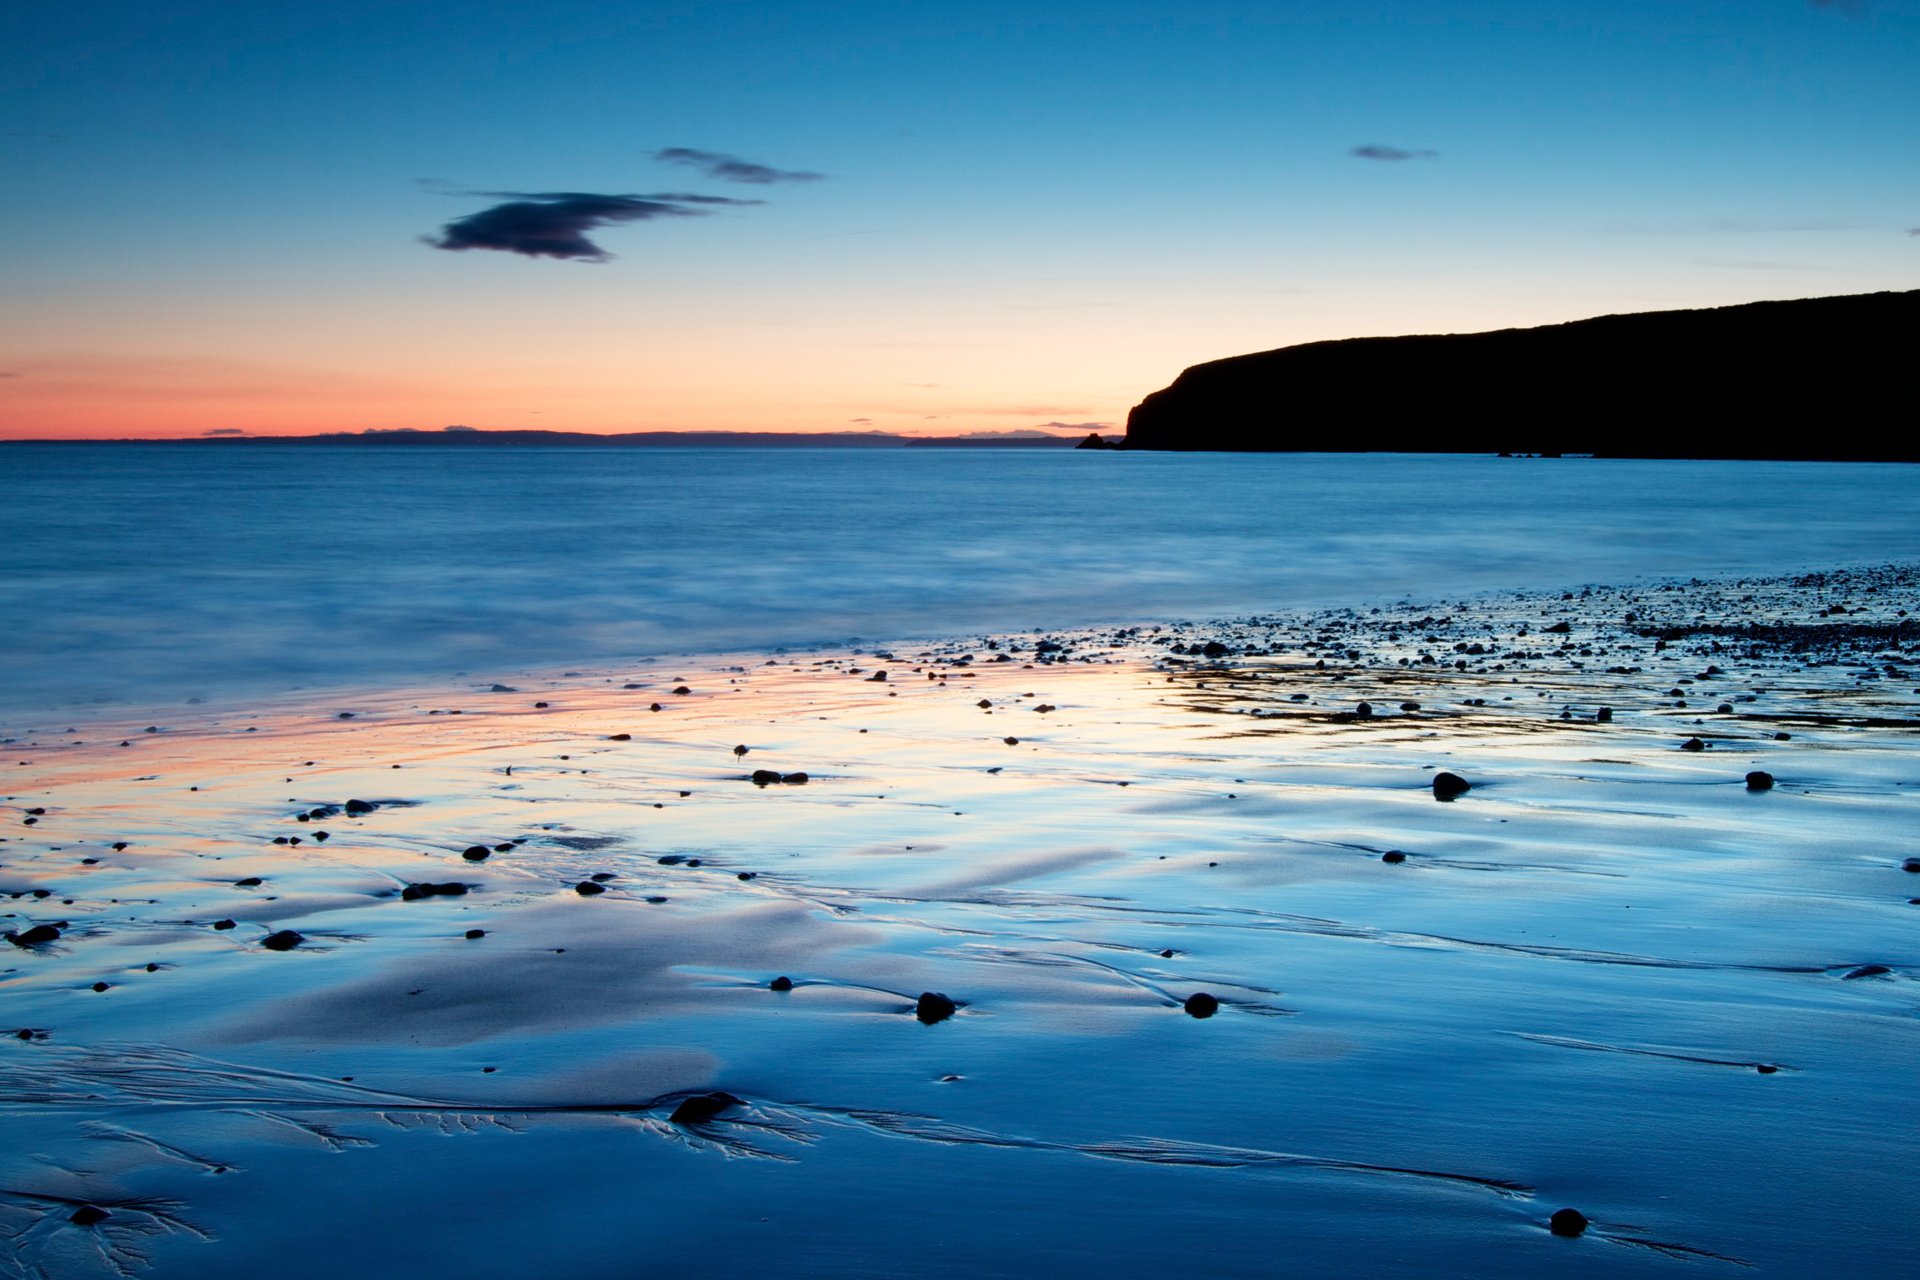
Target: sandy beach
{"x": 1156, "y": 950}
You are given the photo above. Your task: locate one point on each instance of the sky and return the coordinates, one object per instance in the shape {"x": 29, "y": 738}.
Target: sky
{"x": 605, "y": 216}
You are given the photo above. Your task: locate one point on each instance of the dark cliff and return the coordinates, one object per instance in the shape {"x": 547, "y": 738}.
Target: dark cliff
{"x": 1818, "y": 378}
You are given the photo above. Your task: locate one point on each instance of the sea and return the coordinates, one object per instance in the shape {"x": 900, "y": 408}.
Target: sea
{"x": 150, "y": 575}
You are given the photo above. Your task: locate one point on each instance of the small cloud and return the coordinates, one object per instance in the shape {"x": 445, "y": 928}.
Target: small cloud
{"x": 226, "y": 431}
{"x": 1376, "y": 151}
{"x": 727, "y": 168}
{"x": 1075, "y": 426}
{"x": 1912, "y": 231}
{"x": 459, "y": 428}
{"x": 553, "y": 224}
{"x": 860, "y": 420}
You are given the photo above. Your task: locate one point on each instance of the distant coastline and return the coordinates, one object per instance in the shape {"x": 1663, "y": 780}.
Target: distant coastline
{"x": 1814, "y": 379}
{"x": 474, "y": 437}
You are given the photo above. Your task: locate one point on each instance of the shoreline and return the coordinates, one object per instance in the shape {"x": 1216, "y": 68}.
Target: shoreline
{"x": 1614, "y": 975}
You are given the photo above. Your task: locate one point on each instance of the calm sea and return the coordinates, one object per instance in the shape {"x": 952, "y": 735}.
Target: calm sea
{"x": 144, "y": 575}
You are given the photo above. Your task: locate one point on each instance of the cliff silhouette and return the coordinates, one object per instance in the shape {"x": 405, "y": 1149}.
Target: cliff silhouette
{"x": 1812, "y": 379}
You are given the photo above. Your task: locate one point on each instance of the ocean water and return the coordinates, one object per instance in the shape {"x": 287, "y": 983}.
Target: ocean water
{"x": 146, "y": 575}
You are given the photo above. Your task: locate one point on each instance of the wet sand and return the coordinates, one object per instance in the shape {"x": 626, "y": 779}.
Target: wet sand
{"x": 1614, "y": 976}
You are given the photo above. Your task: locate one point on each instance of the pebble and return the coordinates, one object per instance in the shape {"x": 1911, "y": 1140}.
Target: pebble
{"x": 781, "y": 983}
{"x": 415, "y": 892}
{"x": 359, "y": 808}
{"x": 284, "y": 940}
{"x": 702, "y": 1107}
{"x": 1393, "y": 855}
{"x": 1759, "y": 780}
{"x": 88, "y": 1215}
{"x": 587, "y": 888}
{"x": 1201, "y": 1005}
{"x": 477, "y": 853}
{"x": 33, "y": 937}
{"x": 1447, "y": 786}
{"x": 1567, "y": 1222}
{"x": 932, "y": 1007}
{"x": 1693, "y": 744}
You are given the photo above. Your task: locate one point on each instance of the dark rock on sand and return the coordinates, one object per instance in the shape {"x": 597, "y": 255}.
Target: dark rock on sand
{"x": 284, "y": 940}
{"x": 415, "y": 892}
{"x": 1867, "y": 971}
{"x": 764, "y": 777}
{"x": 1759, "y": 780}
{"x": 251, "y": 882}
{"x": 88, "y": 1215}
{"x": 1911, "y": 864}
{"x": 619, "y": 737}
{"x": 1603, "y": 716}
{"x": 1693, "y": 744}
{"x": 587, "y": 888}
{"x": 1393, "y": 855}
{"x": 476, "y": 933}
{"x": 359, "y": 808}
{"x": 40, "y": 933}
{"x": 1567, "y": 1223}
{"x": 1201, "y": 1005}
{"x": 1364, "y": 711}
{"x": 223, "y": 924}
{"x": 781, "y": 983}
{"x": 933, "y": 1007}
{"x": 702, "y": 1107}
{"x": 794, "y": 779}
{"x": 1447, "y": 786}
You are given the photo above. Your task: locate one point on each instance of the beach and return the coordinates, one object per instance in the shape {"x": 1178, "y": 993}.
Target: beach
{"x": 1161, "y": 948}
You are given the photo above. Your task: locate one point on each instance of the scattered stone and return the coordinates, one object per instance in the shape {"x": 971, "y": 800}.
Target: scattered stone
{"x": 1364, "y": 711}
{"x": 359, "y": 808}
{"x": 1448, "y": 786}
{"x": 284, "y": 940}
{"x": 932, "y": 1007}
{"x": 1911, "y": 864}
{"x": 1867, "y": 971}
{"x": 739, "y": 751}
{"x": 251, "y": 882}
{"x": 102, "y": 986}
{"x": 1393, "y": 855}
{"x": 1759, "y": 780}
{"x": 40, "y": 933}
{"x": 1409, "y": 706}
{"x": 223, "y": 924}
{"x": 477, "y": 853}
{"x": 1567, "y": 1223}
{"x": 1012, "y": 742}
{"x": 619, "y": 737}
{"x": 794, "y": 779}
{"x": 1783, "y": 737}
{"x": 587, "y": 888}
{"x": 1603, "y": 716}
{"x": 88, "y": 1215}
{"x": 1693, "y": 744}
{"x": 475, "y": 933}
{"x": 764, "y": 777}
{"x": 702, "y": 1107}
{"x": 1201, "y": 1005}
{"x": 415, "y": 892}
{"x": 781, "y": 983}
{"x": 745, "y": 875}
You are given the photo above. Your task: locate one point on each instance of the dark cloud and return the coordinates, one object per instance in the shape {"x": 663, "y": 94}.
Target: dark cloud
{"x": 1913, "y": 231}
{"x": 554, "y": 224}
{"x": 1375, "y": 151}
{"x": 225, "y": 431}
{"x": 733, "y": 168}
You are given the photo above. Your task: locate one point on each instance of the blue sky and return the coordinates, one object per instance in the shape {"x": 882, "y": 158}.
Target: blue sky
{"x": 1035, "y": 212}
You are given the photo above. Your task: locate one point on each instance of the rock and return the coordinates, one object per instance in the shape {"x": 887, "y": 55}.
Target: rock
{"x": 251, "y": 882}
{"x": 1911, "y": 864}
{"x": 1867, "y": 971}
{"x": 1783, "y": 737}
{"x": 88, "y": 1215}
{"x": 1012, "y": 742}
{"x": 1364, "y": 711}
{"x": 1214, "y": 649}
{"x": 1558, "y": 629}
{"x": 1409, "y": 706}
{"x": 932, "y": 1007}
{"x": 794, "y": 779}
{"x": 781, "y": 983}
{"x": 671, "y": 859}
{"x": 619, "y": 737}
{"x": 475, "y": 933}
{"x": 223, "y": 924}
{"x": 878, "y": 677}
{"x": 1567, "y": 1223}
{"x": 739, "y": 751}
{"x": 477, "y": 853}
{"x": 587, "y": 888}
{"x": 1201, "y": 1005}
{"x": 102, "y": 986}
{"x": 1759, "y": 780}
{"x": 1603, "y": 716}
{"x": 1393, "y": 855}
{"x": 764, "y": 777}
{"x": 1693, "y": 744}
{"x": 37, "y": 935}
{"x": 682, "y": 690}
{"x": 503, "y": 688}
{"x": 1448, "y": 786}
{"x": 745, "y": 875}
{"x": 415, "y": 892}
{"x": 359, "y": 808}
{"x": 284, "y": 940}
{"x": 702, "y": 1107}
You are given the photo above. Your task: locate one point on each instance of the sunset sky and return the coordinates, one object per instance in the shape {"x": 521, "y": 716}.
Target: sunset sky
{"x": 960, "y": 217}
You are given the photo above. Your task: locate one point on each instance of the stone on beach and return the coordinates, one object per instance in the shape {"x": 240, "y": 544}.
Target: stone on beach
{"x": 933, "y": 1006}
{"x": 36, "y": 936}
{"x": 283, "y": 940}
{"x": 415, "y": 892}
{"x": 1447, "y": 786}
{"x": 781, "y": 983}
{"x": 1567, "y": 1223}
{"x": 1759, "y": 780}
{"x": 702, "y": 1107}
{"x": 1201, "y": 1005}
{"x": 477, "y": 853}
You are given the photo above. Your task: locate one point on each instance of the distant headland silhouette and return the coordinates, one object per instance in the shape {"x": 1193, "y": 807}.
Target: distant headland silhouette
{"x": 1816, "y": 379}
